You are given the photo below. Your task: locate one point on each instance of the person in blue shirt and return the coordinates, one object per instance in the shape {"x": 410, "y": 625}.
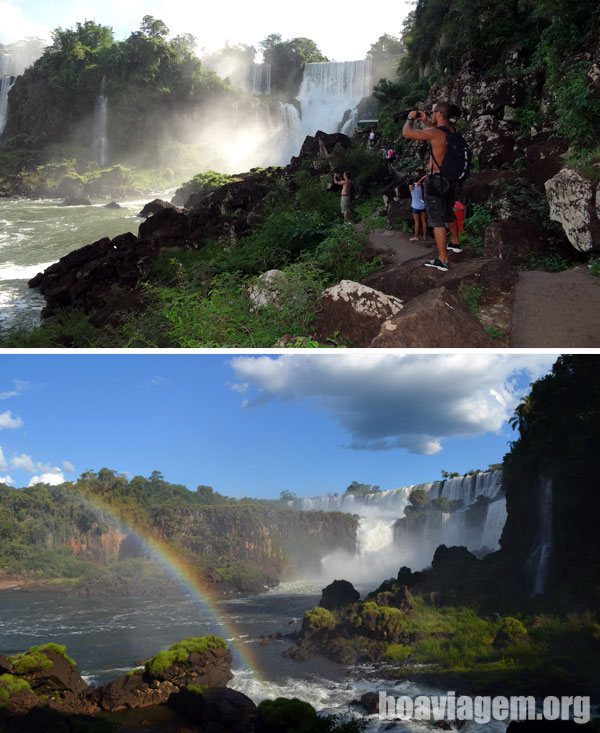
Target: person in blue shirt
{"x": 418, "y": 209}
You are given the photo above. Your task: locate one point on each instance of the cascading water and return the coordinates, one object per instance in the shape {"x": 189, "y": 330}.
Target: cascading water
{"x": 260, "y": 79}
{"x": 538, "y": 562}
{"x": 7, "y": 79}
{"x": 387, "y": 539}
{"x": 101, "y": 124}
{"x": 14, "y": 59}
{"x": 329, "y": 93}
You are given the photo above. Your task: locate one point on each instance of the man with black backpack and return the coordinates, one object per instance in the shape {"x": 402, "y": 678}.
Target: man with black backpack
{"x": 449, "y": 163}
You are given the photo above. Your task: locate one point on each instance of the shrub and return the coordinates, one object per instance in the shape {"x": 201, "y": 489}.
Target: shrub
{"x": 317, "y": 619}
{"x": 10, "y": 685}
{"x": 342, "y": 255}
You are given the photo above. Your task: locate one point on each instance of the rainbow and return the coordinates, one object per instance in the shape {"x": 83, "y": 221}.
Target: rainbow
{"x": 185, "y": 576}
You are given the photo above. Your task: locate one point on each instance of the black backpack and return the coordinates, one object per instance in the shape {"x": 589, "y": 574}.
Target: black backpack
{"x": 456, "y": 165}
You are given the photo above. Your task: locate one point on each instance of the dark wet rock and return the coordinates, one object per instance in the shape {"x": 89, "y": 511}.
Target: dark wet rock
{"x": 370, "y": 702}
{"x": 338, "y": 594}
{"x": 153, "y": 207}
{"x": 224, "y": 710}
{"x": 113, "y": 205}
{"x": 431, "y": 320}
{"x": 5, "y": 665}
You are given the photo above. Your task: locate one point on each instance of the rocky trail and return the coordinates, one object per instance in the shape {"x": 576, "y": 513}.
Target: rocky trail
{"x": 544, "y": 309}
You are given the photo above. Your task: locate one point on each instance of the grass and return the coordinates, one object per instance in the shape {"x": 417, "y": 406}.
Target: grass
{"x": 471, "y": 295}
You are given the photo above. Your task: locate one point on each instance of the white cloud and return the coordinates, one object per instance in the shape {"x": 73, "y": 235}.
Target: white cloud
{"x": 387, "y": 401}
{"x": 6, "y": 480}
{"x": 3, "y": 463}
{"x": 9, "y": 422}
{"x": 15, "y": 26}
{"x": 53, "y": 478}
{"x": 69, "y": 467}
{"x": 24, "y": 462}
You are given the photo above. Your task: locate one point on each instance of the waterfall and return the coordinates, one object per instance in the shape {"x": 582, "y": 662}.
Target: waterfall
{"x": 14, "y": 59}
{"x": 100, "y": 125}
{"x": 538, "y": 561}
{"x": 260, "y": 79}
{"x": 7, "y": 79}
{"x": 328, "y": 92}
{"x": 495, "y": 519}
{"x": 388, "y": 538}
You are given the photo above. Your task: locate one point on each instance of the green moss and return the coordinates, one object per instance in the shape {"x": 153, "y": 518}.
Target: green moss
{"x": 198, "y": 689}
{"x": 320, "y": 618}
{"x": 180, "y": 652}
{"x": 10, "y": 685}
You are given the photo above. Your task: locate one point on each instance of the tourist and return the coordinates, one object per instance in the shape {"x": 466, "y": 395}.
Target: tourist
{"x": 439, "y": 192}
{"x": 346, "y": 198}
{"x": 418, "y": 209}
{"x": 372, "y": 138}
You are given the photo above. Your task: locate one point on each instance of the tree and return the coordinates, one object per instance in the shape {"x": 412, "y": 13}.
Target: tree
{"x": 153, "y": 27}
{"x": 287, "y": 59}
{"x": 359, "y": 489}
{"x": 287, "y": 496}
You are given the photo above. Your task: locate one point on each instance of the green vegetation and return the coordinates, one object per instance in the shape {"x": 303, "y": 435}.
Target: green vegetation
{"x": 439, "y": 36}
{"x": 204, "y": 297}
{"x": 284, "y": 715}
{"x": 359, "y": 489}
{"x": 179, "y": 653}
{"x": 319, "y": 619}
{"x": 11, "y": 685}
{"x": 35, "y": 658}
{"x": 471, "y": 296}
{"x": 475, "y": 228}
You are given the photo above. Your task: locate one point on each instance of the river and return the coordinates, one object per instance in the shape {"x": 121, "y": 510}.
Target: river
{"x": 34, "y": 234}
{"x": 108, "y": 636}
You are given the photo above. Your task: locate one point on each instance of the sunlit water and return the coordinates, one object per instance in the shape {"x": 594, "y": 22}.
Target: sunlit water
{"x": 108, "y": 636}
{"x": 34, "y": 234}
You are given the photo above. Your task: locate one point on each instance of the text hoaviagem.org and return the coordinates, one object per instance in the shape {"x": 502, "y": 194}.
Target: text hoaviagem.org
{"x": 483, "y": 709}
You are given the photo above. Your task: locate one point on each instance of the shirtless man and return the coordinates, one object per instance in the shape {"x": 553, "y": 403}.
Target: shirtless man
{"x": 345, "y": 182}
{"x": 438, "y": 203}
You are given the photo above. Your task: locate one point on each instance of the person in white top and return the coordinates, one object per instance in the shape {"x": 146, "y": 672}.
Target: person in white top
{"x": 418, "y": 209}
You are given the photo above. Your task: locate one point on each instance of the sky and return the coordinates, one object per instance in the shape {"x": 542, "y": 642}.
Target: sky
{"x": 256, "y": 424}
{"x": 343, "y": 31}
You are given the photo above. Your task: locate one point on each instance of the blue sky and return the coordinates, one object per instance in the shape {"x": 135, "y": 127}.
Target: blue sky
{"x": 254, "y": 425}
{"x": 332, "y": 26}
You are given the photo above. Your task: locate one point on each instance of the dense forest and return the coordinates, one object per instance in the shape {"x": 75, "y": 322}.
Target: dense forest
{"x": 104, "y": 528}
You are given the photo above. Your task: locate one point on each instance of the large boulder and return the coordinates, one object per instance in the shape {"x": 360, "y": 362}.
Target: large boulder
{"x": 354, "y": 312}
{"x": 575, "y": 203}
{"x": 153, "y": 207}
{"x": 338, "y": 594}
{"x": 48, "y": 670}
{"x": 436, "y": 319}
{"x": 514, "y": 240}
{"x": 224, "y": 710}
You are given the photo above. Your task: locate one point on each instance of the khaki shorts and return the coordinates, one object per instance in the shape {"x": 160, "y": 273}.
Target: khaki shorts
{"x": 345, "y": 204}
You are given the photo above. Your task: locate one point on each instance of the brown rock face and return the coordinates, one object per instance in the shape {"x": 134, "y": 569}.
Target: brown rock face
{"x": 62, "y": 676}
{"x": 436, "y": 319}
{"x": 410, "y": 279}
{"x": 514, "y": 240}
{"x": 354, "y": 312}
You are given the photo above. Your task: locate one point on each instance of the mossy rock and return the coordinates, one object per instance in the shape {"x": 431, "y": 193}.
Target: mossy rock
{"x": 179, "y": 653}
{"x": 10, "y": 685}
{"x": 318, "y": 621}
{"x": 510, "y": 631}
{"x": 35, "y": 659}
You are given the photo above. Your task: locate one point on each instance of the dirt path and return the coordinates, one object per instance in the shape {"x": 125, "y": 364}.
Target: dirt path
{"x": 549, "y": 310}
{"x": 556, "y": 309}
